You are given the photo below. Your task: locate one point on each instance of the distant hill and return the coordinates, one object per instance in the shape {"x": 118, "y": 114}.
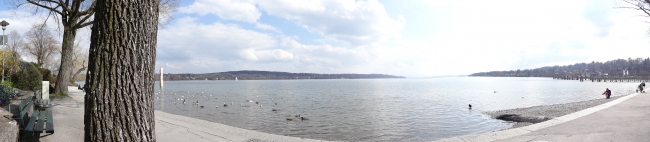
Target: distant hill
{"x": 638, "y": 67}
{"x": 267, "y": 75}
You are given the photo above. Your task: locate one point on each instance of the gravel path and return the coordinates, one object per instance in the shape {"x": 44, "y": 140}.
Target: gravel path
{"x": 550, "y": 111}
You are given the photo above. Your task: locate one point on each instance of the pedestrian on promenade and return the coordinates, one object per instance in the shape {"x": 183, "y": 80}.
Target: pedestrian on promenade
{"x": 607, "y": 93}
{"x": 641, "y": 86}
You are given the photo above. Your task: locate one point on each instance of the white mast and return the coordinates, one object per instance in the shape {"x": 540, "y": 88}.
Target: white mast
{"x": 161, "y": 77}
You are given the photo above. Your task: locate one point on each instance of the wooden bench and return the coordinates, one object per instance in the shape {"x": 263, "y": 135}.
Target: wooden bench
{"x": 25, "y": 107}
{"x": 38, "y": 120}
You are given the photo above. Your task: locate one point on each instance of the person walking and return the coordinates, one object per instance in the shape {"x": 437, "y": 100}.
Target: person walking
{"x": 607, "y": 93}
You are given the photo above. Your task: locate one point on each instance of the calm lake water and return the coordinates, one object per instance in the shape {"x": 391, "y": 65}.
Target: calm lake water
{"x": 372, "y": 109}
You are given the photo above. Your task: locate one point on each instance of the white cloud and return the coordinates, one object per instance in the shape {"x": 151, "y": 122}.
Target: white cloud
{"x": 267, "y": 27}
{"x": 240, "y": 10}
{"x": 186, "y": 39}
{"x": 248, "y": 54}
{"x": 355, "y": 22}
{"x": 274, "y": 55}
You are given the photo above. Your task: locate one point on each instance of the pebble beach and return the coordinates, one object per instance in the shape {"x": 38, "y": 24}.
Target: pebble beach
{"x": 549, "y": 111}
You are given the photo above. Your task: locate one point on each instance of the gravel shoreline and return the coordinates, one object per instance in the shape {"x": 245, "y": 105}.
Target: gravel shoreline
{"x": 549, "y": 111}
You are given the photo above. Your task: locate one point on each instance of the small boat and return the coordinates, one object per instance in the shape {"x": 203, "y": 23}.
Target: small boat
{"x": 235, "y": 78}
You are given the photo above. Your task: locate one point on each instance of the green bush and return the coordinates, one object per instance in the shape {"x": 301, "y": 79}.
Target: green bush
{"x": 28, "y": 78}
{"x": 8, "y": 83}
{"x": 47, "y": 75}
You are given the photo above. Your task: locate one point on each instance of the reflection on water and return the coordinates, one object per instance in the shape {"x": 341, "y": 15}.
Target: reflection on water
{"x": 373, "y": 109}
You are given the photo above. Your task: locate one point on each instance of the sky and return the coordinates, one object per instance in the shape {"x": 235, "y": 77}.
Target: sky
{"x": 411, "y": 38}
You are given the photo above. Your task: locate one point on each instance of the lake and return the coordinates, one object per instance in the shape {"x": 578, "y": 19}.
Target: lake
{"x": 372, "y": 109}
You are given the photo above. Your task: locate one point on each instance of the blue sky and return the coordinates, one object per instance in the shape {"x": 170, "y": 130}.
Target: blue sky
{"x": 413, "y": 38}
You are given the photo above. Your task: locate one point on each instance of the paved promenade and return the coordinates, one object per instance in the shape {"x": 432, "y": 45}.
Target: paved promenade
{"x": 624, "y": 119}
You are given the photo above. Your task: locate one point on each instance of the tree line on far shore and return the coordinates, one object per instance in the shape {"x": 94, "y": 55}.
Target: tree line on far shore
{"x": 638, "y": 67}
{"x": 267, "y": 75}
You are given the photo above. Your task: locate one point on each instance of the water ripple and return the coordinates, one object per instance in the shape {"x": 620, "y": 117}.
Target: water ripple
{"x": 371, "y": 110}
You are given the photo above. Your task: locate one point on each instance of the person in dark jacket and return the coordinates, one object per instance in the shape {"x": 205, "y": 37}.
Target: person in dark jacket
{"x": 51, "y": 88}
{"x": 607, "y": 93}
{"x": 641, "y": 86}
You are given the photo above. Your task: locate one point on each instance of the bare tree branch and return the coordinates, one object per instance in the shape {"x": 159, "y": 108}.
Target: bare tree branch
{"x": 46, "y": 7}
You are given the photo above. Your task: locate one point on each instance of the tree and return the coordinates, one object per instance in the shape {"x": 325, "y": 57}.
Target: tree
{"x": 80, "y": 58}
{"x": 16, "y": 43}
{"x": 41, "y": 43}
{"x": 9, "y": 63}
{"x": 77, "y": 14}
{"x": 119, "y": 84}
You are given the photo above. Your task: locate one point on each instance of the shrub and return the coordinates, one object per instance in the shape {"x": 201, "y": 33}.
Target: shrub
{"x": 28, "y": 78}
{"x": 6, "y": 93}
{"x": 8, "y": 83}
{"x": 47, "y": 75}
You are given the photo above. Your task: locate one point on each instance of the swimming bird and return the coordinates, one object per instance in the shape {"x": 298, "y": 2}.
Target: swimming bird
{"x": 260, "y": 105}
{"x": 470, "y": 106}
{"x": 274, "y": 109}
{"x": 304, "y": 118}
{"x": 201, "y": 106}
{"x": 225, "y": 105}
{"x": 289, "y": 119}
{"x": 297, "y": 115}
{"x": 276, "y": 103}
{"x": 216, "y": 107}
{"x": 257, "y": 102}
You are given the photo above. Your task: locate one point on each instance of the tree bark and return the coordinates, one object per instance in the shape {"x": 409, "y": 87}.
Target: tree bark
{"x": 63, "y": 76}
{"x": 119, "y": 85}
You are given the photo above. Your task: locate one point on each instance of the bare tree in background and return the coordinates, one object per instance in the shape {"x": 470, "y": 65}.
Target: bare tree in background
{"x": 74, "y": 15}
{"x": 16, "y": 42}
{"x": 119, "y": 83}
{"x": 641, "y": 5}
{"x": 41, "y": 43}
{"x": 80, "y": 62}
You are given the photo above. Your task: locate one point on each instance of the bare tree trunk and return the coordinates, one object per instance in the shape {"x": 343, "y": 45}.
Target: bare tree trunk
{"x": 73, "y": 78}
{"x": 119, "y": 85}
{"x": 63, "y": 76}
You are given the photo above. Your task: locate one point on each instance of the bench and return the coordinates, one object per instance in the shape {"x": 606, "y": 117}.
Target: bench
{"x": 25, "y": 107}
{"x": 38, "y": 120}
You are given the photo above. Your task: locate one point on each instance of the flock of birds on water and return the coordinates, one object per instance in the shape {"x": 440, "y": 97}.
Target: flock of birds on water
{"x": 184, "y": 96}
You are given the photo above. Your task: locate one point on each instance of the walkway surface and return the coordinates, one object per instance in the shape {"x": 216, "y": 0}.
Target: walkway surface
{"x": 624, "y": 119}
{"x": 69, "y": 126}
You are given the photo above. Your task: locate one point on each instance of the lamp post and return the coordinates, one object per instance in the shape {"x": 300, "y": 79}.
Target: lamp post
{"x": 4, "y": 25}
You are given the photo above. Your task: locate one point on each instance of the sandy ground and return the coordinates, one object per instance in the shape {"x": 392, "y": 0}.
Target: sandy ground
{"x": 69, "y": 127}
